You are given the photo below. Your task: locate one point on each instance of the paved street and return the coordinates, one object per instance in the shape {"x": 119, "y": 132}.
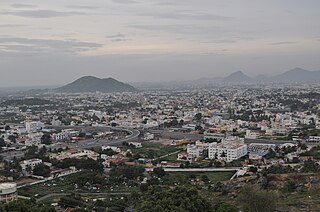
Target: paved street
{"x": 84, "y": 144}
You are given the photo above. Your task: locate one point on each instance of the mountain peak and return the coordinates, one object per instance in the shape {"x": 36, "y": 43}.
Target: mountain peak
{"x": 238, "y": 77}
{"x": 94, "y": 84}
{"x": 297, "y": 70}
{"x": 297, "y": 75}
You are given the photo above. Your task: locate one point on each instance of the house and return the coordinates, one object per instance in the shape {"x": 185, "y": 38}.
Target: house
{"x": 305, "y": 158}
{"x": 184, "y": 155}
{"x": 75, "y": 153}
{"x": 115, "y": 159}
{"x": 135, "y": 144}
{"x": 113, "y": 148}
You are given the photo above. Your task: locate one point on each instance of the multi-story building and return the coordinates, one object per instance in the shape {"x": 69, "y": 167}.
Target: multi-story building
{"x": 214, "y": 136}
{"x": 315, "y": 139}
{"x": 228, "y": 150}
{"x": 33, "y": 126}
{"x": 194, "y": 150}
{"x": 29, "y": 164}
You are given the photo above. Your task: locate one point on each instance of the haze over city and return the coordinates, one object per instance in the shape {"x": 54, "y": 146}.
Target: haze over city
{"x": 46, "y": 42}
{"x": 159, "y": 105}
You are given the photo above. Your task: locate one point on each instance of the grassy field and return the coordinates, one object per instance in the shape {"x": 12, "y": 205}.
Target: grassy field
{"x": 153, "y": 150}
{"x": 66, "y": 185}
{"x": 171, "y": 158}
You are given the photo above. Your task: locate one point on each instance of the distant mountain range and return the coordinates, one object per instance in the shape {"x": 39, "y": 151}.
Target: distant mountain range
{"x": 94, "y": 84}
{"x": 108, "y": 85}
{"x": 294, "y": 75}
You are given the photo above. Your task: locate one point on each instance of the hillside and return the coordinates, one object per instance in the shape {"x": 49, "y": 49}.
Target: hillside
{"x": 296, "y": 75}
{"x": 93, "y": 84}
{"x": 237, "y": 77}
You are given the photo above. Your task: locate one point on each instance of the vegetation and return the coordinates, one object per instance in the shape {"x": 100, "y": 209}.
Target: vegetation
{"x": 125, "y": 173}
{"x": 174, "y": 199}
{"x": 25, "y": 206}
{"x": 41, "y": 170}
{"x": 84, "y": 164}
{"x": 252, "y": 199}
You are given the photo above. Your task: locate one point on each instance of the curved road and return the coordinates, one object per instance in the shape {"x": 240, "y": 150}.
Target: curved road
{"x": 82, "y": 144}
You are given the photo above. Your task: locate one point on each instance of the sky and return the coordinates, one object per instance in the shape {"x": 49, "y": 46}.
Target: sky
{"x": 45, "y": 42}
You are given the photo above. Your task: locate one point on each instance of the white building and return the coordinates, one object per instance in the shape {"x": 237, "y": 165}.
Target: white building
{"x": 113, "y": 148}
{"x": 251, "y": 135}
{"x": 8, "y": 192}
{"x": 33, "y": 126}
{"x": 194, "y": 150}
{"x": 148, "y": 137}
{"x": 30, "y": 163}
{"x": 74, "y": 153}
{"x": 228, "y": 150}
{"x": 135, "y": 144}
{"x": 315, "y": 139}
{"x": 197, "y": 149}
{"x": 65, "y": 135}
{"x": 56, "y": 122}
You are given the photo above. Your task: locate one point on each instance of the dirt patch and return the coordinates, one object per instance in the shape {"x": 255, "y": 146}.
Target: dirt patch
{"x": 165, "y": 142}
{"x": 25, "y": 181}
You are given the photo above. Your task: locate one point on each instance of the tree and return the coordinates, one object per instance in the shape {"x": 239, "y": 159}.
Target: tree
{"x": 31, "y": 152}
{"x": 198, "y": 127}
{"x": 253, "y": 199}
{"x": 46, "y": 139}
{"x": 70, "y": 201}
{"x": 159, "y": 172}
{"x": 310, "y": 166}
{"x": 271, "y": 154}
{"x": 198, "y": 116}
{"x": 2, "y": 143}
{"x": 12, "y": 138}
{"x": 225, "y": 207}
{"x": 205, "y": 178}
{"x": 41, "y": 170}
{"x": 173, "y": 199}
{"x": 124, "y": 173}
{"x": 26, "y": 206}
{"x": 253, "y": 169}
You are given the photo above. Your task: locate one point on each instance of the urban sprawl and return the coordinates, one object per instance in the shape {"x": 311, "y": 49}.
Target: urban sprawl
{"x": 111, "y": 150}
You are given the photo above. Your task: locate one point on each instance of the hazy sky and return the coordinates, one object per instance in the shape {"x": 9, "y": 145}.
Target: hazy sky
{"x": 45, "y": 42}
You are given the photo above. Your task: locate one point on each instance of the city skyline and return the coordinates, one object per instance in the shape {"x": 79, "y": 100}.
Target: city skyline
{"x": 45, "y": 43}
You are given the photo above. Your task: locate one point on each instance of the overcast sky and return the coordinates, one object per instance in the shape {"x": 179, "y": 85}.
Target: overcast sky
{"x": 45, "y": 42}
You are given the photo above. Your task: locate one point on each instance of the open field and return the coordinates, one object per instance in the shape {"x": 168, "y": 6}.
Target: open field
{"x": 153, "y": 149}
{"x": 68, "y": 184}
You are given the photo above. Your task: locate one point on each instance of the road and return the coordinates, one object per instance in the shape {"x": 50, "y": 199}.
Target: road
{"x": 134, "y": 134}
{"x": 87, "y": 144}
{"x": 193, "y": 137}
{"x": 163, "y": 156}
{"x": 226, "y": 169}
{"x": 82, "y": 144}
{"x": 268, "y": 141}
